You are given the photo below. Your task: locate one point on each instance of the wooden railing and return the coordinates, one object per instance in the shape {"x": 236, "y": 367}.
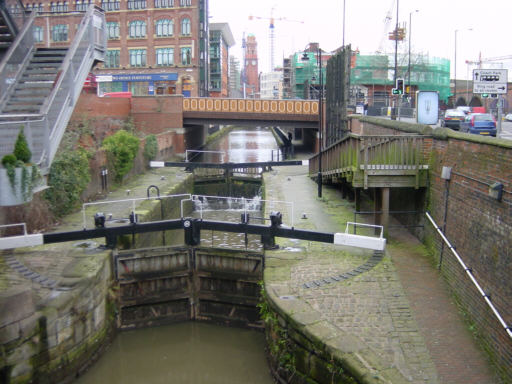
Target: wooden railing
{"x": 356, "y": 158}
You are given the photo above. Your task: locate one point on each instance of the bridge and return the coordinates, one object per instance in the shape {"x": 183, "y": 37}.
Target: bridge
{"x": 292, "y": 113}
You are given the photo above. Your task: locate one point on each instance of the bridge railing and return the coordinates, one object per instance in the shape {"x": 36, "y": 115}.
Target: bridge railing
{"x": 360, "y": 153}
{"x": 285, "y": 107}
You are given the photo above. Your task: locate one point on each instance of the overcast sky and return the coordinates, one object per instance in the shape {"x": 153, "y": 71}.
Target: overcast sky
{"x": 433, "y": 27}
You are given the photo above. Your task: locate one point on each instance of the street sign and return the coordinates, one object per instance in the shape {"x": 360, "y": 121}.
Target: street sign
{"x": 490, "y": 81}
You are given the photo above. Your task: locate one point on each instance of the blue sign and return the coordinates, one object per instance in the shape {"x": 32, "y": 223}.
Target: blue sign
{"x": 146, "y": 77}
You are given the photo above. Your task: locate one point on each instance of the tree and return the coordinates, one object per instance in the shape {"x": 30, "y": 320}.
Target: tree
{"x": 21, "y": 149}
{"x": 122, "y": 147}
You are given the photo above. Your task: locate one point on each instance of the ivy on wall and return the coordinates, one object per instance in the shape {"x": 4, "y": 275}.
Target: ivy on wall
{"x": 68, "y": 178}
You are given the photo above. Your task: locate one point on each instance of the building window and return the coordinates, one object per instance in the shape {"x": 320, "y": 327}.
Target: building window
{"x": 137, "y": 29}
{"x": 186, "y": 56}
{"x": 137, "y": 57}
{"x": 164, "y": 3}
{"x": 113, "y": 30}
{"x": 164, "y": 27}
{"x": 60, "y": 32}
{"x": 82, "y": 6}
{"x": 38, "y": 34}
{"x": 164, "y": 56}
{"x": 137, "y": 4}
{"x": 112, "y": 58}
{"x": 59, "y": 6}
{"x": 185, "y": 3}
{"x": 110, "y": 5}
{"x": 185, "y": 26}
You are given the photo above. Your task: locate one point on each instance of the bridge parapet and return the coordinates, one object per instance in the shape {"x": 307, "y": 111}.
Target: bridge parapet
{"x": 280, "y": 107}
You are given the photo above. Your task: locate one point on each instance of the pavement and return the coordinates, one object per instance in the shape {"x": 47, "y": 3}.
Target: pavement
{"x": 398, "y": 307}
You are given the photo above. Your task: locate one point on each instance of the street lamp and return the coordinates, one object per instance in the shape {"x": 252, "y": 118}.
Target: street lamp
{"x": 409, "y": 65}
{"x": 343, "y": 43}
{"x": 455, "y": 68}
{"x": 395, "y": 74}
{"x": 320, "y": 116}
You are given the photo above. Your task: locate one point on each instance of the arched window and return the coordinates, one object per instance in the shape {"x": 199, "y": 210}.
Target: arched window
{"x": 164, "y": 27}
{"x": 185, "y": 26}
{"x": 137, "y": 29}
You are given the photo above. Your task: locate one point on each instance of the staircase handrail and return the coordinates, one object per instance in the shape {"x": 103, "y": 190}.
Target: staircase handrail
{"x": 17, "y": 55}
{"x": 63, "y": 94}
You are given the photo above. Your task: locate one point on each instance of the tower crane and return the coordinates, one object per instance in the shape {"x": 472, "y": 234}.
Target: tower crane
{"x": 387, "y": 25}
{"x": 488, "y": 60}
{"x": 271, "y": 32}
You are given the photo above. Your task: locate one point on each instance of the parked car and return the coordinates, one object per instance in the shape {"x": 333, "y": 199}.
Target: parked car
{"x": 452, "y": 118}
{"x": 480, "y": 124}
{"x": 508, "y": 117}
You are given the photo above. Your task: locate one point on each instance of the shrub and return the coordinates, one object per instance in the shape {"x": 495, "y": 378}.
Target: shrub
{"x": 21, "y": 149}
{"x": 122, "y": 147}
{"x": 150, "y": 148}
{"x": 9, "y": 161}
{"x": 68, "y": 178}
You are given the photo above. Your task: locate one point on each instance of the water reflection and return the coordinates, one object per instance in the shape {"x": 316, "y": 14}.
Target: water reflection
{"x": 183, "y": 353}
{"x": 244, "y": 146}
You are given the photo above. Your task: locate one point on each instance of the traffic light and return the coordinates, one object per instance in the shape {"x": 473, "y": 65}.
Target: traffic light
{"x": 400, "y": 86}
{"x": 395, "y": 91}
{"x": 485, "y": 95}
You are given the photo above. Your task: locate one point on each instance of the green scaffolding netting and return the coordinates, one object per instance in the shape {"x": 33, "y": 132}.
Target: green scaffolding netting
{"x": 427, "y": 73}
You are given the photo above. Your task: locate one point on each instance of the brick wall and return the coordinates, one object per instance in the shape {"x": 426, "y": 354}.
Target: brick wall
{"x": 477, "y": 225}
{"x": 480, "y": 228}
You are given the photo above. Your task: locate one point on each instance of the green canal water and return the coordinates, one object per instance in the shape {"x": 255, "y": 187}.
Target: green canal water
{"x": 186, "y": 353}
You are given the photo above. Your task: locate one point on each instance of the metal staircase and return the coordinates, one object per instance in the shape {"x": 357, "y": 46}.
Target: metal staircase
{"x": 36, "y": 82}
{"x": 6, "y": 36}
{"x": 39, "y": 87}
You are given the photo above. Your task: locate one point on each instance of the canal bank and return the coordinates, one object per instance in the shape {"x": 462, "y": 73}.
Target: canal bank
{"x": 338, "y": 314}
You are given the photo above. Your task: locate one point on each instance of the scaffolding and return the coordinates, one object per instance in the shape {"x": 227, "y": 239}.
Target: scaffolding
{"x": 427, "y": 73}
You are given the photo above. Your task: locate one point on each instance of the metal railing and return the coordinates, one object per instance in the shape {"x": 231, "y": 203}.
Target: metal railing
{"x": 17, "y": 56}
{"x": 44, "y": 130}
{"x": 469, "y": 272}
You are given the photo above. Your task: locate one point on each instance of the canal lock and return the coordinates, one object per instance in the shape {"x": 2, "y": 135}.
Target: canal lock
{"x": 161, "y": 281}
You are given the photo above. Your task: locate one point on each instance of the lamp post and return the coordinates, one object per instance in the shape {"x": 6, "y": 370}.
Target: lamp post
{"x": 455, "y": 69}
{"x": 409, "y": 65}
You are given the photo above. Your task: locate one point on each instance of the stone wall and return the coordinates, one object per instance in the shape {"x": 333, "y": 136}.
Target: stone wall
{"x": 478, "y": 225}
{"x": 59, "y": 335}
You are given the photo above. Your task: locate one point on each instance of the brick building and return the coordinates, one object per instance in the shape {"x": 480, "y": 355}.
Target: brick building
{"x": 154, "y": 46}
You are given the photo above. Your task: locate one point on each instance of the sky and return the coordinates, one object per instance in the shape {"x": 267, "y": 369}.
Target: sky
{"x": 434, "y": 26}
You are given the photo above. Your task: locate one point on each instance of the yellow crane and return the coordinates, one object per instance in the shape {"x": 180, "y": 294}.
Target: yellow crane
{"x": 272, "y": 20}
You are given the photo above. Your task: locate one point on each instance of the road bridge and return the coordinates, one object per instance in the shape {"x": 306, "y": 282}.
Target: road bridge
{"x": 290, "y": 113}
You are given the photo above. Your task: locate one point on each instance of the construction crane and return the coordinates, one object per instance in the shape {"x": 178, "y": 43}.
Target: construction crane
{"x": 387, "y": 26}
{"x": 488, "y": 60}
{"x": 271, "y": 32}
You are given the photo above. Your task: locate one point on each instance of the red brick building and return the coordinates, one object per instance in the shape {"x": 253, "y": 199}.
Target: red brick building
{"x": 154, "y": 46}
